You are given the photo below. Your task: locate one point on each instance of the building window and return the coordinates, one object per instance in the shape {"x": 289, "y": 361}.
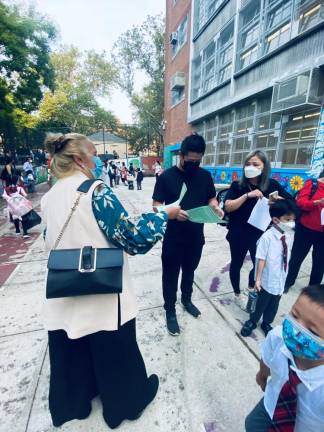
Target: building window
{"x": 177, "y": 96}
{"x": 244, "y": 119}
{"x": 225, "y": 53}
{"x": 309, "y": 14}
{"x": 215, "y": 65}
{"x": 277, "y": 24}
{"x": 209, "y": 67}
{"x": 299, "y": 137}
{"x": 204, "y": 10}
{"x": 196, "y": 77}
{"x": 181, "y": 37}
{"x": 249, "y": 33}
{"x": 210, "y": 138}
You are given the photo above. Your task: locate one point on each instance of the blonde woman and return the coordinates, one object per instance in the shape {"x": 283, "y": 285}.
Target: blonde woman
{"x": 92, "y": 339}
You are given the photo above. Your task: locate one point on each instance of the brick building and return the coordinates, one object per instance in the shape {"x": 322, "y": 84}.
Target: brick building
{"x": 256, "y": 82}
{"x": 177, "y": 59}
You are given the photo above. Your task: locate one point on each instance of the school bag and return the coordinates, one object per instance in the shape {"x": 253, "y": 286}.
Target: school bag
{"x": 312, "y": 191}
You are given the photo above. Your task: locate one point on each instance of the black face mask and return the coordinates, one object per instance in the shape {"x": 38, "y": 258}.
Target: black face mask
{"x": 190, "y": 167}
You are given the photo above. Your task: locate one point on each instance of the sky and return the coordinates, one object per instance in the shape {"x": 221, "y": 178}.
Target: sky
{"x": 96, "y": 24}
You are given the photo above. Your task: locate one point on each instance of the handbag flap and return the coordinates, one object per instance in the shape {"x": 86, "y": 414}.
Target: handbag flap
{"x": 68, "y": 259}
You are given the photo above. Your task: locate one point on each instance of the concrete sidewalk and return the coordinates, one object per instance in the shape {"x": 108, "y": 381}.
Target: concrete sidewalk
{"x": 207, "y": 374}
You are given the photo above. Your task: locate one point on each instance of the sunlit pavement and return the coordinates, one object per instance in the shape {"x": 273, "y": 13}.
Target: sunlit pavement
{"x": 207, "y": 375}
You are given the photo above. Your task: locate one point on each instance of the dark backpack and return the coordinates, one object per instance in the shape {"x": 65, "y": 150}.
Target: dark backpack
{"x": 312, "y": 191}
{"x": 221, "y": 198}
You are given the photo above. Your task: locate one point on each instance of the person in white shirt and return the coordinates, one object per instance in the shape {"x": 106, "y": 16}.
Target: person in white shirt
{"x": 292, "y": 370}
{"x": 272, "y": 258}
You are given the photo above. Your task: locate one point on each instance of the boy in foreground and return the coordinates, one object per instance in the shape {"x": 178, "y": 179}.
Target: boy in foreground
{"x": 292, "y": 370}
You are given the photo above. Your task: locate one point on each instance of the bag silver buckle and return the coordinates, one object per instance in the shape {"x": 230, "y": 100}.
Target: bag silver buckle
{"x": 92, "y": 269}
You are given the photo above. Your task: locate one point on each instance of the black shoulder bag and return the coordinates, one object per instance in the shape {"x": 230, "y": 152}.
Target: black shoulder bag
{"x": 85, "y": 271}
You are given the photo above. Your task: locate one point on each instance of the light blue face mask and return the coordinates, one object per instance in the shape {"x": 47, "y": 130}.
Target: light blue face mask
{"x": 97, "y": 170}
{"x": 300, "y": 341}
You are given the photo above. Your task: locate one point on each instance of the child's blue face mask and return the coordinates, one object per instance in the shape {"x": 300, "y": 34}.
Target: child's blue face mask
{"x": 97, "y": 170}
{"x": 300, "y": 341}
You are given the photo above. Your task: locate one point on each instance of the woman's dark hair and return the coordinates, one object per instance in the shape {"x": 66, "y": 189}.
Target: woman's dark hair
{"x": 265, "y": 176}
{"x": 315, "y": 293}
{"x": 283, "y": 207}
{"x": 193, "y": 143}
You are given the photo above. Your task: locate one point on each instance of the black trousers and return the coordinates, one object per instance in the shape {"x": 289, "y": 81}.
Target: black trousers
{"x": 139, "y": 185}
{"x": 306, "y": 238}
{"x": 17, "y": 222}
{"x": 267, "y": 305}
{"x": 106, "y": 363}
{"x": 241, "y": 242}
{"x": 176, "y": 256}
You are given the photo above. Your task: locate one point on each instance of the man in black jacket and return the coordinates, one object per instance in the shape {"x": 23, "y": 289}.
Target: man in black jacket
{"x": 184, "y": 240}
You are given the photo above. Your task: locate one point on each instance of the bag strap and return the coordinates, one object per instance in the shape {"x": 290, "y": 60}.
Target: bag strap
{"x": 82, "y": 189}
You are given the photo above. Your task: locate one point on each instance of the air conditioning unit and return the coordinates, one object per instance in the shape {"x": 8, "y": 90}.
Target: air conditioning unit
{"x": 178, "y": 81}
{"x": 174, "y": 38}
{"x": 293, "y": 88}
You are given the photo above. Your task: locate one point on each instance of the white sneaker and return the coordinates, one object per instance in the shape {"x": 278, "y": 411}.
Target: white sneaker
{"x": 240, "y": 301}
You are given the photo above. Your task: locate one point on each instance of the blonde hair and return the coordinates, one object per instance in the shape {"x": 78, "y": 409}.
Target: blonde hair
{"x": 63, "y": 148}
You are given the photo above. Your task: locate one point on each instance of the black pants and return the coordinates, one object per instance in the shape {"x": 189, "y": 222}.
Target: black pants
{"x": 139, "y": 185}
{"x": 16, "y": 222}
{"x": 176, "y": 256}
{"x": 267, "y": 305}
{"x": 111, "y": 180}
{"x": 240, "y": 243}
{"x": 108, "y": 364}
{"x": 306, "y": 238}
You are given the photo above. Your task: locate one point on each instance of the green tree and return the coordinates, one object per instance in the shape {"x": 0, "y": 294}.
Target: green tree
{"x": 25, "y": 68}
{"x": 142, "y": 49}
{"x": 79, "y": 79}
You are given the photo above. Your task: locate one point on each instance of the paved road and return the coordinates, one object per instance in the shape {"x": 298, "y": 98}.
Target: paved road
{"x": 206, "y": 374}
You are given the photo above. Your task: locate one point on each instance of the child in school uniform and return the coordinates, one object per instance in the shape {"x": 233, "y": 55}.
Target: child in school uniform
{"x": 292, "y": 370}
{"x": 139, "y": 178}
{"x": 272, "y": 259}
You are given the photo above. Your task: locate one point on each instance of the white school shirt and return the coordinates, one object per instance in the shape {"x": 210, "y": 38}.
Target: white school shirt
{"x": 270, "y": 249}
{"x": 310, "y": 392}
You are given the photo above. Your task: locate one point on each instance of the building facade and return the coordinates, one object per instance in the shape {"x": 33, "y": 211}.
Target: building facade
{"x": 257, "y": 82}
{"x": 177, "y": 59}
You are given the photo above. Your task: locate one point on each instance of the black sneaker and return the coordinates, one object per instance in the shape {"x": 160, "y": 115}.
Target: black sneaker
{"x": 172, "y": 323}
{"x": 191, "y": 308}
{"x": 266, "y": 328}
{"x": 247, "y": 328}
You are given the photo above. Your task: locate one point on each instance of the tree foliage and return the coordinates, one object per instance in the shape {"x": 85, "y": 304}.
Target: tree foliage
{"x": 142, "y": 49}
{"x": 25, "y": 68}
{"x": 79, "y": 79}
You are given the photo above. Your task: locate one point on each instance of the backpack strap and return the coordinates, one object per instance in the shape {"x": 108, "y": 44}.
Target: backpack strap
{"x": 314, "y": 188}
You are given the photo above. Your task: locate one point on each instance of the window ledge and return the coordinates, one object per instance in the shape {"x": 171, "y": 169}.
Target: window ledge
{"x": 177, "y": 103}
{"x": 276, "y": 51}
{"x": 213, "y": 90}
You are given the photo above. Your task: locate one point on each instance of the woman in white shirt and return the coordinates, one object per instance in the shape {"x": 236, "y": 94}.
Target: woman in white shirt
{"x": 92, "y": 339}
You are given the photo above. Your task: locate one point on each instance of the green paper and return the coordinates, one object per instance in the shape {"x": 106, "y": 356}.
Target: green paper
{"x": 204, "y": 214}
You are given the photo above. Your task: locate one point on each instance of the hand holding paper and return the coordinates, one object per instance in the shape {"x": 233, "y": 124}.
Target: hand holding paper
{"x": 204, "y": 214}
{"x": 260, "y": 216}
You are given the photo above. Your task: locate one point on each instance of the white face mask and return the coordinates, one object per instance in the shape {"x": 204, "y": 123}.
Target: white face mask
{"x": 287, "y": 226}
{"x": 252, "y": 171}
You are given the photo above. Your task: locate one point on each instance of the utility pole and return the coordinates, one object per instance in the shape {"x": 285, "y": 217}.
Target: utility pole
{"x": 103, "y": 139}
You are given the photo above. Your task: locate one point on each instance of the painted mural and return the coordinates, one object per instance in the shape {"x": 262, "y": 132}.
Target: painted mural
{"x": 292, "y": 180}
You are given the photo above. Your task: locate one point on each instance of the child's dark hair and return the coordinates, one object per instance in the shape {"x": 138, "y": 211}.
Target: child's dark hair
{"x": 283, "y": 207}
{"x": 193, "y": 143}
{"x": 315, "y": 293}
